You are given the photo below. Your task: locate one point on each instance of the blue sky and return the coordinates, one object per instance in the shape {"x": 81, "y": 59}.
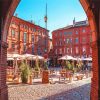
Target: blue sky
{"x": 60, "y": 12}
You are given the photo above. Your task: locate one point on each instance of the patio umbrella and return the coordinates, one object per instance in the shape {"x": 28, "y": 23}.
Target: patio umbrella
{"x": 67, "y": 57}
{"x": 15, "y": 57}
{"x": 8, "y": 58}
{"x": 87, "y": 59}
{"x": 39, "y": 57}
{"x": 27, "y": 56}
{"x": 78, "y": 59}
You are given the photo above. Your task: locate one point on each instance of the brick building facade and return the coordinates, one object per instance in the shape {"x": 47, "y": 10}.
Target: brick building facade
{"x": 92, "y": 10}
{"x": 74, "y": 40}
{"x": 26, "y": 37}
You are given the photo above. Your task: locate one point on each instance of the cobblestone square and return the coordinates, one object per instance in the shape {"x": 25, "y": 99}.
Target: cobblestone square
{"x": 77, "y": 90}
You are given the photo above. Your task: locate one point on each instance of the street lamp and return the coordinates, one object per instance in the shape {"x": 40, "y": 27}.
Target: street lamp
{"x": 45, "y": 20}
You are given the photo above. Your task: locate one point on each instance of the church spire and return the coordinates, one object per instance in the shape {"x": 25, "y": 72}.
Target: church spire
{"x": 74, "y": 22}
{"x": 45, "y": 17}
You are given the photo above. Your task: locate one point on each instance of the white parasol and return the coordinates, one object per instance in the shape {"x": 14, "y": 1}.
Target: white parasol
{"x": 27, "y": 56}
{"x": 87, "y": 59}
{"x": 39, "y": 57}
{"x": 67, "y": 57}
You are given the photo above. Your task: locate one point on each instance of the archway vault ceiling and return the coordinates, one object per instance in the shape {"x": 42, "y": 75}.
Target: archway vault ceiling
{"x": 90, "y": 6}
{"x": 5, "y": 4}
{"x": 7, "y": 8}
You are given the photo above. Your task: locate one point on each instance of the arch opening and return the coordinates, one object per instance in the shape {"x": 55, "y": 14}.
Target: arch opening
{"x": 92, "y": 12}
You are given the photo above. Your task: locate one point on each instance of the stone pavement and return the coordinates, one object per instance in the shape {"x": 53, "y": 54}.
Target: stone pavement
{"x": 78, "y": 90}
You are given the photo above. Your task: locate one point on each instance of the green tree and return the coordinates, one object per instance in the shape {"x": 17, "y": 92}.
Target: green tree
{"x": 37, "y": 68}
{"x": 45, "y": 65}
{"x": 25, "y": 71}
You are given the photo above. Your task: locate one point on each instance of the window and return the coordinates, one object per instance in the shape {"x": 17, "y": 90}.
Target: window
{"x": 90, "y": 50}
{"x": 32, "y": 38}
{"x": 13, "y": 32}
{"x": 84, "y": 49}
{"x": 84, "y": 40}
{"x": 21, "y": 25}
{"x": 8, "y": 44}
{"x": 83, "y": 31}
{"x": 39, "y": 38}
{"x": 25, "y": 26}
{"x": 56, "y": 51}
{"x": 25, "y": 37}
{"x": 39, "y": 51}
{"x": 77, "y": 51}
{"x": 24, "y": 49}
{"x": 67, "y": 33}
{"x": 71, "y": 51}
{"x": 60, "y": 42}
{"x": 32, "y": 48}
{"x": 71, "y": 40}
{"x": 13, "y": 45}
{"x": 68, "y": 40}
{"x": 70, "y": 33}
{"x": 60, "y": 51}
{"x": 76, "y": 40}
{"x": 67, "y": 50}
{"x": 64, "y": 50}
{"x": 76, "y": 32}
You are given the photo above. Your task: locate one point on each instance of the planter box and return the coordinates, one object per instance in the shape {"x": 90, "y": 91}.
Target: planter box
{"x": 45, "y": 76}
{"x": 9, "y": 78}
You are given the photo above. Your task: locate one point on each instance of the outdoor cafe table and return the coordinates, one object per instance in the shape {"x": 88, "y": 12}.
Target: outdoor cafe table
{"x": 58, "y": 77}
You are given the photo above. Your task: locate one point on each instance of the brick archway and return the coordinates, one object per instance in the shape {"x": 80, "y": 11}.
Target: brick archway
{"x": 7, "y": 8}
{"x": 92, "y": 10}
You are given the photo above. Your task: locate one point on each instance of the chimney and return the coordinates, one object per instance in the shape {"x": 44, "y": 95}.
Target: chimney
{"x": 87, "y": 21}
{"x": 16, "y": 15}
{"x": 74, "y": 22}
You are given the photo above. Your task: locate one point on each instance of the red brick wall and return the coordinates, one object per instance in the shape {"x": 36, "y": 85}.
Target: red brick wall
{"x": 56, "y": 39}
{"x": 93, "y": 13}
{"x": 20, "y": 25}
{"x": 95, "y": 80}
{"x": 3, "y": 59}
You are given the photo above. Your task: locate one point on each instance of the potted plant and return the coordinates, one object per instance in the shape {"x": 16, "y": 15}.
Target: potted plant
{"x": 45, "y": 73}
{"x": 37, "y": 68}
{"x": 69, "y": 70}
{"x": 25, "y": 72}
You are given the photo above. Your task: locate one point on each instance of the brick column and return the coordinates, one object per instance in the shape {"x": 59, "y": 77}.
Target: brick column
{"x": 95, "y": 85}
{"x": 3, "y": 65}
